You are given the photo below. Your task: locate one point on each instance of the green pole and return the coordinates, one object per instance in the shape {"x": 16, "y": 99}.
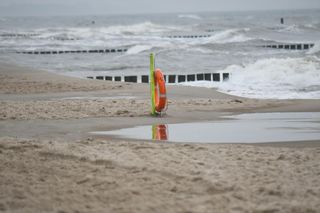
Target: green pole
{"x": 153, "y": 108}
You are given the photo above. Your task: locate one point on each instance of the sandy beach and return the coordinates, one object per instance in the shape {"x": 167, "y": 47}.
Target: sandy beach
{"x": 50, "y": 162}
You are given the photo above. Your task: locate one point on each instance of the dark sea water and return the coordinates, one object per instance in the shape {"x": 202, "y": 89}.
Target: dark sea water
{"x": 184, "y": 43}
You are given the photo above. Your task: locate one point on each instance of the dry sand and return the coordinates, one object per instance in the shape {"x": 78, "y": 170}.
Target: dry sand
{"x": 49, "y": 163}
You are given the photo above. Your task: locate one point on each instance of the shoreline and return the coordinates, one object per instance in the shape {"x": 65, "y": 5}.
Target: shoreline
{"x": 49, "y": 163}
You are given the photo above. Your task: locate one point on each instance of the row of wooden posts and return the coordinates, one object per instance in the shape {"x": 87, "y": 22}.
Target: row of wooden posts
{"x": 73, "y": 51}
{"x": 302, "y": 46}
{"x": 170, "y": 78}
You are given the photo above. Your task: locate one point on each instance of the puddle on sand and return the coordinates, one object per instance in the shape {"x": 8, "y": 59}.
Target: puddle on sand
{"x": 99, "y": 98}
{"x": 244, "y": 128}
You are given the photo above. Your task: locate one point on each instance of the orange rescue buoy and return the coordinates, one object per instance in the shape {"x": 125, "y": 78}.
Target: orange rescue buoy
{"x": 160, "y": 91}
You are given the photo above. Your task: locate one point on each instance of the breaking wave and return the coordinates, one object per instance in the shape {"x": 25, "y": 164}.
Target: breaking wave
{"x": 190, "y": 16}
{"x": 230, "y": 36}
{"x": 315, "y": 49}
{"x": 288, "y": 78}
{"x": 138, "y": 49}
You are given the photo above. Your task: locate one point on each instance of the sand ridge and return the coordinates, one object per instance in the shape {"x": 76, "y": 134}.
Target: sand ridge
{"x": 69, "y": 108}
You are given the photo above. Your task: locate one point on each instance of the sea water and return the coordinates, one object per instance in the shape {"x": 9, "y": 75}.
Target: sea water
{"x": 209, "y": 42}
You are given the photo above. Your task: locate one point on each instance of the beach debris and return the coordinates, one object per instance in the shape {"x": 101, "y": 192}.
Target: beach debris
{"x": 236, "y": 101}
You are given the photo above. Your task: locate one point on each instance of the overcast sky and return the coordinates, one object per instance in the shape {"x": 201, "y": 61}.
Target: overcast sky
{"x": 95, "y": 7}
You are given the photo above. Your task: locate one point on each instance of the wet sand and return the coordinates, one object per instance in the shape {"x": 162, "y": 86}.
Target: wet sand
{"x": 49, "y": 162}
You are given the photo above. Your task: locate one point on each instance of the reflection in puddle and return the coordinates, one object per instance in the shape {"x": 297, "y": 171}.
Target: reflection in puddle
{"x": 160, "y": 132}
{"x": 244, "y": 128}
{"x": 99, "y": 98}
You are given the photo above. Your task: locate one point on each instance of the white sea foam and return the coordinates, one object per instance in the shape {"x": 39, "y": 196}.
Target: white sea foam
{"x": 291, "y": 28}
{"x": 138, "y": 49}
{"x": 199, "y": 50}
{"x": 312, "y": 26}
{"x": 190, "y": 16}
{"x": 229, "y": 36}
{"x": 146, "y": 33}
{"x": 290, "y": 78}
{"x": 144, "y": 44}
{"x": 145, "y": 27}
{"x": 315, "y": 48}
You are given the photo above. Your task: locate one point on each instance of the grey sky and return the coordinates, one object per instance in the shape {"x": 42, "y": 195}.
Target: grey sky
{"x": 85, "y": 7}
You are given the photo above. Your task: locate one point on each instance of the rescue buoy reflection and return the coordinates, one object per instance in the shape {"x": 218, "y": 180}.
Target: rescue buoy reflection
{"x": 160, "y": 132}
